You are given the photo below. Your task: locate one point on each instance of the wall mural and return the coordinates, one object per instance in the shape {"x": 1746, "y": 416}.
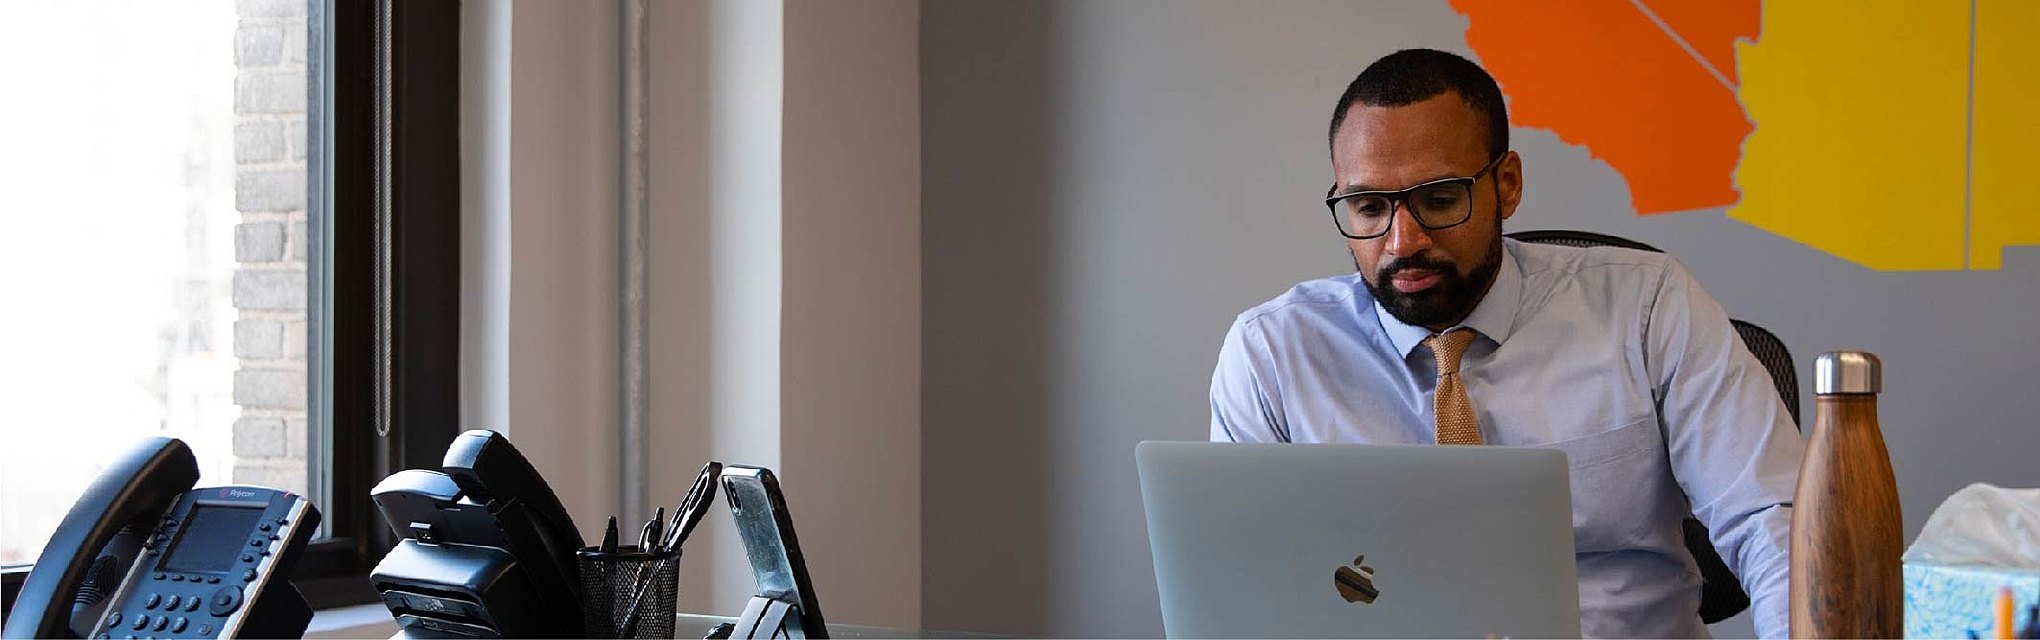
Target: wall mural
{"x": 1892, "y": 134}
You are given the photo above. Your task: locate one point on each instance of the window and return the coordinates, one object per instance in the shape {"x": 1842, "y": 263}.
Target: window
{"x": 156, "y": 247}
{"x": 234, "y": 223}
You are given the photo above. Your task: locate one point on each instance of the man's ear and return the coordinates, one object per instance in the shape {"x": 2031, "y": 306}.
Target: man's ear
{"x": 1509, "y": 183}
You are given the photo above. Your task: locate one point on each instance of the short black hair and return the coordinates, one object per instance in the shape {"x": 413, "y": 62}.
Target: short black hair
{"x": 1411, "y": 75}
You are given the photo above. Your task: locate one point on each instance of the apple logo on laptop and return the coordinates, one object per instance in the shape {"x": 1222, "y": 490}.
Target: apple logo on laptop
{"x": 1356, "y": 586}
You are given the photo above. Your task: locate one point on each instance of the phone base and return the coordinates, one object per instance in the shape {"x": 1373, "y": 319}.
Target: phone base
{"x": 767, "y": 618}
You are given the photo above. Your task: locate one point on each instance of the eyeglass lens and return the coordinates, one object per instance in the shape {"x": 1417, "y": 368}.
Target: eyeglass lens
{"x": 1434, "y": 206}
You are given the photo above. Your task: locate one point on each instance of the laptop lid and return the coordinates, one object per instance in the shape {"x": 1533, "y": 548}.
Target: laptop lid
{"x": 1344, "y": 540}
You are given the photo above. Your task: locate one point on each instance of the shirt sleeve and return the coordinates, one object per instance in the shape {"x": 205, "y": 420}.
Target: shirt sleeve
{"x": 1241, "y": 406}
{"x": 1732, "y": 444}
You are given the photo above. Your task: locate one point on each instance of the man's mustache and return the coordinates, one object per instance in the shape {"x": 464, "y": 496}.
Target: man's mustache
{"x": 1440, "y": 267}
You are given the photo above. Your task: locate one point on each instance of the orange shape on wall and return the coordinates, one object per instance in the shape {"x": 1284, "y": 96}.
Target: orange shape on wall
{"x": 1605, "y": 75}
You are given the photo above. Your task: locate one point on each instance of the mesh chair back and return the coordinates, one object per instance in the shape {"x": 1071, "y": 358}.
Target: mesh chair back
{"x": 1572, "y": 238}
{"x": 1771, "y": 351}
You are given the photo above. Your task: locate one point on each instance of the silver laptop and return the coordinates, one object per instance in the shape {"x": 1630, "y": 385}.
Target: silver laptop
{"x": 1342, "y": 540}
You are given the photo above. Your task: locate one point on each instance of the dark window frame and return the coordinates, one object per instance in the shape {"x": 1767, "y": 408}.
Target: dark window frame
{"x": 394, "y": 285}
{"x": 384, "y": 378}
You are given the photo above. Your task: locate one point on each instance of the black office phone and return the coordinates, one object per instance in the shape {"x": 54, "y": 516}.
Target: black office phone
{"x": 142, "y": 553}
{"x": 487, "y": 548}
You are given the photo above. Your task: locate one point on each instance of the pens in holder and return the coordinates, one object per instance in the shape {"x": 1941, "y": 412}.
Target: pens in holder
{"x": 631, "y": 589}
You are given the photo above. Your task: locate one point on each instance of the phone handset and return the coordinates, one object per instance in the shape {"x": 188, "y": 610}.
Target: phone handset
{"x": 135, "y": 490}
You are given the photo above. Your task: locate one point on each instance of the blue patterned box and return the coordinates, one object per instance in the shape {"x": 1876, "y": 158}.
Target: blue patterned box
{"x": 1952, "y": 600}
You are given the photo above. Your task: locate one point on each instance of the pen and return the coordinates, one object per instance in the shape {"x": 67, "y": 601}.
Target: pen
{"x": 647, "y": 537}
{"x": 2004, "y": 630}
{"x": 609, "y": 537}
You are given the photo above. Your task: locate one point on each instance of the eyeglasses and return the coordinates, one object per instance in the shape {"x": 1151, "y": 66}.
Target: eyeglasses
{"x": 1437, "y": 204}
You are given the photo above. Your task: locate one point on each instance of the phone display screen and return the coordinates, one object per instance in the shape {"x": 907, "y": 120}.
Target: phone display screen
{"x": 212, "y": 535}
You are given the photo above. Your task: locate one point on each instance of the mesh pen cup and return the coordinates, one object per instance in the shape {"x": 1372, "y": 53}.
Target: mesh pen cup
{"x": 628, "y": 594}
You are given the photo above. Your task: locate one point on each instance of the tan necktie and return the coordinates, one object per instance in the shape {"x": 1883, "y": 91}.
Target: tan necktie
{"x": 1457, "y": 423}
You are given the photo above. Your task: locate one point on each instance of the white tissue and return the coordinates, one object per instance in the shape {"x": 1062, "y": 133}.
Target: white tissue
{"x": 1982, "y": 524}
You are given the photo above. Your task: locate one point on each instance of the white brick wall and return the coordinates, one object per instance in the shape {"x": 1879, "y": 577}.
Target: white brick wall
{"x": 270, "y": 383}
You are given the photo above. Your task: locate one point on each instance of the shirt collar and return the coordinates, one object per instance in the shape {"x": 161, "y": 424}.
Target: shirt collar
{"x": 1494, "y": 316}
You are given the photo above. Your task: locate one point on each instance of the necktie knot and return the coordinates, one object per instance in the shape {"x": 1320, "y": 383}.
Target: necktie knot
{"x": 1448, "y": 348}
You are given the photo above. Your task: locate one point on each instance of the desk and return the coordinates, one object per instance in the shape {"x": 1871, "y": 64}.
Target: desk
{"x": 691, "y": 625}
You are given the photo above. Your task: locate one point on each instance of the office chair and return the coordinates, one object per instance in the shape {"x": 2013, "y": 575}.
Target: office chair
{"x": 1721, "y": 595}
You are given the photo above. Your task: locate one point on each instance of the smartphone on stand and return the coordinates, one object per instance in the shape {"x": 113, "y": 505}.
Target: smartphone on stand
{"x": 767, "y": 530}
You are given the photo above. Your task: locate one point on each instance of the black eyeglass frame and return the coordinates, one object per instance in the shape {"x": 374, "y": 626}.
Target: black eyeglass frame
{"x": 1402, "y": 198}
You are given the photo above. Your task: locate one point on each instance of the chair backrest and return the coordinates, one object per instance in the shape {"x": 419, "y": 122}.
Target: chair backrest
{"x": 1770, "y": 351}
{"x": 1572, "y": 238}
{"x": 1721, "y": 595}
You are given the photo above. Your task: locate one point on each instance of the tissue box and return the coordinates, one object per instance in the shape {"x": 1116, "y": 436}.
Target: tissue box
{"x": 1953, "y": 600}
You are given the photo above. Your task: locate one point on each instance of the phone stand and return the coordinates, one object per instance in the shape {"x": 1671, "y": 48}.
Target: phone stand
{"x": 766, "y": 618}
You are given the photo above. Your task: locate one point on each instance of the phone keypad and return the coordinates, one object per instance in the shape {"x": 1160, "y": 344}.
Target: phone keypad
{"x": 185, "y": 604}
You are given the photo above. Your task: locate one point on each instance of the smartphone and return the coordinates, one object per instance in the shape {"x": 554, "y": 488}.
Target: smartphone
{"x": 767, "y": 530}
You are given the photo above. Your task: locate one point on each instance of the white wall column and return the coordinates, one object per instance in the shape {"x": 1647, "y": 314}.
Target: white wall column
{"x": 485, "y": 214}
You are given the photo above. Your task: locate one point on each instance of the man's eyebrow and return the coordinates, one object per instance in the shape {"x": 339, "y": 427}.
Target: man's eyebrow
{"x": 1350, "y": 189}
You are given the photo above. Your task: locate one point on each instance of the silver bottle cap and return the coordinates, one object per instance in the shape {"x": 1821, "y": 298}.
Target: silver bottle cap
{"x": 1847, "y": 372}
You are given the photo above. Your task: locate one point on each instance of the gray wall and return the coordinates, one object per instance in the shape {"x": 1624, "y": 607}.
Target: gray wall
{"x": 1106, "y": 184}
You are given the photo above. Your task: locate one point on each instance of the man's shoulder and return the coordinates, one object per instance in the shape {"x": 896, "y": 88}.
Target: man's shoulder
{"x": 1335, "y": 296}
{"x": 1592, "y": 268}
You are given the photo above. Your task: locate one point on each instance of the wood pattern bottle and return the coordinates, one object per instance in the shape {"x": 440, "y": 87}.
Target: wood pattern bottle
{"x": 1846, "y": 542}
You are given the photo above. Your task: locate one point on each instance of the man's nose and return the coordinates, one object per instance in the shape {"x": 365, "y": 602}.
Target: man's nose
{"x": 1405, "y": 237}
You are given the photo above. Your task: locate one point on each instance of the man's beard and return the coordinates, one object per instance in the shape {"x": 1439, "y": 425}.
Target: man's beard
{"x": 1449, "y": 300}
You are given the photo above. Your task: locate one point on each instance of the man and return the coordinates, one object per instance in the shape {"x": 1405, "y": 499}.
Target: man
{"x": 1449, "y": 333}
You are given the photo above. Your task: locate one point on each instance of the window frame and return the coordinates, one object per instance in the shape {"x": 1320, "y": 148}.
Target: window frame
{"x": 394, "y": 284}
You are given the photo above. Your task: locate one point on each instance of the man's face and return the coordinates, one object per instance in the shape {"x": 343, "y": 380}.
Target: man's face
{"x": 1426, "y": 277}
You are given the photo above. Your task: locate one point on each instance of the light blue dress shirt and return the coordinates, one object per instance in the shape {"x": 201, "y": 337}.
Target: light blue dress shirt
{"x": 1612, "y": 355}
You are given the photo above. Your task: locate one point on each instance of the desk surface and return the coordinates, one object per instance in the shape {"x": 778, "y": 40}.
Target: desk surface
{"x": 690, "y": 625}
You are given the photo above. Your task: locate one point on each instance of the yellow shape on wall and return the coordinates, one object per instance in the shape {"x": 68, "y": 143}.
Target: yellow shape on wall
{"x": 1862, "y": 126}
{"x": 2003, "y": 210}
